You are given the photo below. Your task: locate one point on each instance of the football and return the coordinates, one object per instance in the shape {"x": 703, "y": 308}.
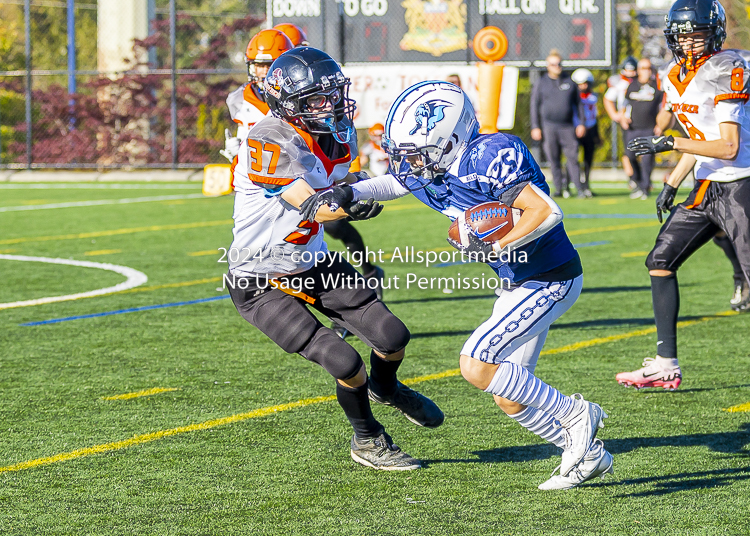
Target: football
{"x": 490, "y": 221}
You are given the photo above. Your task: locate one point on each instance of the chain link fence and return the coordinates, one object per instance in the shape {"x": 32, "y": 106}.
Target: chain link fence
{"x": 143, "y": 83}
{"x": 144, "y": 86}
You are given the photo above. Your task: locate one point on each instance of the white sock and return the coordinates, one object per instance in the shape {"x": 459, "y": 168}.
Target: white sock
{"x": 667, "y": 362}
{"x": 517, "y": 384}
{"x": 542, "y": 424}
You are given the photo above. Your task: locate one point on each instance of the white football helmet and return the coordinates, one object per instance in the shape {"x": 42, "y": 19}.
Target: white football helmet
{"x": 582, "y": 76}
{"x": 428, "y": 126}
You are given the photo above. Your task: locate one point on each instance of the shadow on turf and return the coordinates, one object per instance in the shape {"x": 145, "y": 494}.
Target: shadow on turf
{"x": 733, "y": 443}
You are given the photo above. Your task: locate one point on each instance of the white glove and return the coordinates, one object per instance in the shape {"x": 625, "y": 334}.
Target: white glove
{"x": 231, "y": 146}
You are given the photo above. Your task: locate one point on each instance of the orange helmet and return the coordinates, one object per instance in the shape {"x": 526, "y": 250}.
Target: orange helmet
{"x": 266, "y": 46}
{"x": 294, "y": 33}
{"x": 262, "y": 50}
{"x": 375, "y": 129}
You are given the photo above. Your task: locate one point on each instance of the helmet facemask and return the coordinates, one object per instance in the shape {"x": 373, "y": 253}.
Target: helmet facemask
{"x": 328, "y": 111}
{"x": 690, "y": 48}
{"x": 256, "y": 76}
{"x": 423, "y": 164}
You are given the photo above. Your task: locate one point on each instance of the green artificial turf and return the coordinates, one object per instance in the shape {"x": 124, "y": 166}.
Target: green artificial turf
{"x": 682, "y": 462}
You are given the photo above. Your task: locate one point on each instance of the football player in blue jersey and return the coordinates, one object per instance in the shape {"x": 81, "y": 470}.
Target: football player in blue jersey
{"x": 437, "y": 154}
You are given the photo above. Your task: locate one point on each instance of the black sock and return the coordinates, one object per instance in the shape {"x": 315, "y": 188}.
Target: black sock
{"x": 726, "y": 245}
{"x": 383, "y": 374}
{"x": 666, "y": 297}
{"x": 356, "y": 406}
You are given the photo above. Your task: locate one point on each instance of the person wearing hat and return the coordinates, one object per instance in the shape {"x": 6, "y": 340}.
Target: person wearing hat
{"x": 614, "y": 101}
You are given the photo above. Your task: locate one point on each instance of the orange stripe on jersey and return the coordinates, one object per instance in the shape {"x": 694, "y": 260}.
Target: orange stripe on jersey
{"x": 231, "y": 171}
{"x": 674, "y": 76}
{"x": 249, "y": 95}
{"x": 730, "y": 96}
{"x": 328, "y": 164}
{"x": 356, "y": 165}
{"x": 699, "y": 195}
{"x": 275, "y": 181}
{"x": 297, "y": 294}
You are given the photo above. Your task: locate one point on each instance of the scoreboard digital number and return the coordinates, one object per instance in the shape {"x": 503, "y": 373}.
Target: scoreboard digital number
{"x": 441, "y": 30}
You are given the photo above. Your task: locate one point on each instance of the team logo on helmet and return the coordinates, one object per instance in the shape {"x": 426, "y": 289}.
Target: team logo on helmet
{"x": 427, "y": 115}
{"x": 272, "y": 83}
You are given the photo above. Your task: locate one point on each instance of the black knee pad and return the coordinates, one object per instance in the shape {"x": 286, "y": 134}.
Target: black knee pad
{"x": 387, "y": 333}
{"x": 332, "y": 353}
{"x": 654, "y": 263}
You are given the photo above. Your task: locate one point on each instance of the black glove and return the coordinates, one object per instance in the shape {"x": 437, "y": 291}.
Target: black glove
{"x": 477, "y": 249}
{"x": 363, "y": 210}
{"x": 651, "y": 144}
{"x": 335, "y": 198}
{"x": 665, "y": 201}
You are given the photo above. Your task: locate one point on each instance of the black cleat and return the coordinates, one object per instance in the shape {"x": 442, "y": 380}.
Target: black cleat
{"x": 415, "y": 406}
{"x": 380, "y": 453}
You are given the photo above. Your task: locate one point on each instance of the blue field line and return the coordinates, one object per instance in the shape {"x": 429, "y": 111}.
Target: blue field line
{"x": 123, "y": 311}
{"x": 609, "y": 216}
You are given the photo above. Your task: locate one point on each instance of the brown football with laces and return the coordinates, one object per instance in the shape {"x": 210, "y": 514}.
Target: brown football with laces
{"x": 490, "y": 221}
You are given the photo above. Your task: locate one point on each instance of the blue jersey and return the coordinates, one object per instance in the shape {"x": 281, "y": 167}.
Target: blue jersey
{"x": 496, "y": 167}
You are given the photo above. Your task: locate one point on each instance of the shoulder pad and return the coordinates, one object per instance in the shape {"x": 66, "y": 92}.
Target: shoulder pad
{"x": 234, "y": 101}
{"x": 728, "y": 72}
{"x": 277, "y": 154}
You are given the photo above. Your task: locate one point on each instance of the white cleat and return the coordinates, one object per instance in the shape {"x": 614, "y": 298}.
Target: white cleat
{"x": 581, "y": 427}
{"x": 596, "y": 462}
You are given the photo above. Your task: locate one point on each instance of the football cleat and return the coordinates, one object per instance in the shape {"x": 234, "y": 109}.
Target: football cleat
{"x": 581, "y": 427}
{"x": 656, "y": 372}
{"x": 415, "y": 406}
{"x": 741, "y": 299}
{"x": 596, "y": 462}
{"x": 377, "y": 274}
{"x": 380, "y": 453}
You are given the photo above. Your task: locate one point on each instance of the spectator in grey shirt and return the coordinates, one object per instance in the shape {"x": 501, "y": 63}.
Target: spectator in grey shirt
{"x": 557, "y": 117}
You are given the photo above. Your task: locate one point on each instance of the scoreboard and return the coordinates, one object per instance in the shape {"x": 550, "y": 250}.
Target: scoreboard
{"x": 405, "y": 31}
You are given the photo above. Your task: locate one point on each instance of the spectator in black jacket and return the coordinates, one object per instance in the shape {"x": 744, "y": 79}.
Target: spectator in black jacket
{"x": 556, "y": 109}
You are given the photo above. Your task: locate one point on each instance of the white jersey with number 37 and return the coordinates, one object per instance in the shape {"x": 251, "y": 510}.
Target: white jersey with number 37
{"x": 717, "y": 92}
{"x": 270, "y": 236}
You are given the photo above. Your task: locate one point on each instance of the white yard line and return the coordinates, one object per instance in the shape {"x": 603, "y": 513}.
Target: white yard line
{"x": 101, "y": 202}
{"x": 134, "y": 279}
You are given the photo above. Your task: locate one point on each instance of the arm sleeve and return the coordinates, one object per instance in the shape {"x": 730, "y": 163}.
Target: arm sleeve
{"x": 549, "y": 223}
{"x": 382, "y": 188}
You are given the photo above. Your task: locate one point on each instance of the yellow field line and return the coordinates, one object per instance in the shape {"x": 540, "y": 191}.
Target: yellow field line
{"x": 145, "y": 392}
{"x": 204, "y": 253}
{"x": 115, "y": 232}
{"x": 171, "y": 285}
{"x": 737, "y": 409}
{"x": 634, "y": 254}
{"x": 101, "y": 252}
{"x": 263, "y": 412}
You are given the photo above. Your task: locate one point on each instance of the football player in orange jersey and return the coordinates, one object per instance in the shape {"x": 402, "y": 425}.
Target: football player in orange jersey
{"x": 247, "y": 104}
{"x": 280, "y": 269}
{"x": 707, "y": 89}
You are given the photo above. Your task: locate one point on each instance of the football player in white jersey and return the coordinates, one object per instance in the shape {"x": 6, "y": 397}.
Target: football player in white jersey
{"x": 707, "y": 89}
{"x": 280, "y": 267}
{"x": 247, "y": 104}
